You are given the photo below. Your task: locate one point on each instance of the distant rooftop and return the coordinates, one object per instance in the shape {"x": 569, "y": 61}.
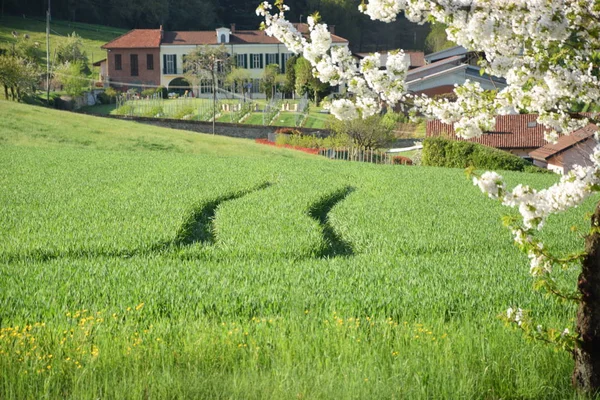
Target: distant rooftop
{"x": 151, "y": 38}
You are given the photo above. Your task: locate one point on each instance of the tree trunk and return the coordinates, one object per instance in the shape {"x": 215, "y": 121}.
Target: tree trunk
{"x": 586, "y": 376}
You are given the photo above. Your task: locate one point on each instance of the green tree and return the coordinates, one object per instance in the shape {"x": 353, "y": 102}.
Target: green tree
{"x": 70, "y": 50}
{"x": 18, "y": 77}
{"x": 437, "y": 39}
{"x": 72, "y": 77}
{"x": 268, "y": 84}
{"x": 289, "y": 84}
{"x": 208, "y": 63}
{"x": 370, "y": 133}
{"x": 237, "y": 79}
{"x": 306, "y": 82}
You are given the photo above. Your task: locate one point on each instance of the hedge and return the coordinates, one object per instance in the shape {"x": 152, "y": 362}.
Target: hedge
{"x": 441, "y": 152}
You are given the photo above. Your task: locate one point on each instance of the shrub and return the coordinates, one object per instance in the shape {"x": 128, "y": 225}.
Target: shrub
{"x": 148, "y": 92}
{"x": 184, "y": 112}
{"x": 164, "y": 91}
{"x": 441, "y": 152}
{"x": 126, "y": 109}
{"x": 108, "y": 96}
{"x": 156, "y": 111}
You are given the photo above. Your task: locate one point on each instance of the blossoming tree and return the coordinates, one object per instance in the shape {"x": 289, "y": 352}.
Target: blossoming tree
{"x": 549, "y": 53}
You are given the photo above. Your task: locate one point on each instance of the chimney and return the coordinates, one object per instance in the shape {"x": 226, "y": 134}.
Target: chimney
{"x": 232, "y": 28}
{"x": 332, "y": 29}
{"x": 162, "y": 33}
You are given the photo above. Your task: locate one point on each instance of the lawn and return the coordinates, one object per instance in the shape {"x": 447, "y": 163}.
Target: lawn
{"x": 148, "y": 262}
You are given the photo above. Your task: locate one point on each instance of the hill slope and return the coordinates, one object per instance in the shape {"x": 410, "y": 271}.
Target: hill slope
{"x": 150, "y": 262}
{"x": 93, "y": 36}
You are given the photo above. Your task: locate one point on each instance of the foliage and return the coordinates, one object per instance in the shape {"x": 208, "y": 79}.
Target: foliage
{"x": 126, "y": 109}
{"x": 70, "y": 49}
{"x": 289, "y": 85}
{"x": 237, "y": 78}
{"x": 149, "y": 92}
{"x": 441, "y": 152}
{"x": 306, "y": 82}
{"x": 207, "y": 63}
{"x": 269, "y": 80}
{"x": 18, "y": 77}
{"x": 437, "y": 39}
{"x": 183, "y": 113}
{"x": 72, "y": 77}
{"x": 295, "y": 138}
{"x": 369, "y": 133}
{"x": 109, "y": 96}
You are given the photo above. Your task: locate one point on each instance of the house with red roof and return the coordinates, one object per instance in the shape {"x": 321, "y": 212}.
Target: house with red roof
{"x": 155, "y": 57}
{"x": 517, "y": 134}
{"x": 568, "y": 151}
{"x": 522, "y": 136}
{"x": 133, "y": 59}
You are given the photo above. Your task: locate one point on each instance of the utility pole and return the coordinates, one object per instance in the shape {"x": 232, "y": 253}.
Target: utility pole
{"x": 48, "y": 54}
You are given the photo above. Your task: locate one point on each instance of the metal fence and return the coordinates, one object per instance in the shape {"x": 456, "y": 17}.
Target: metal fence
{"x": 362, "y": 155}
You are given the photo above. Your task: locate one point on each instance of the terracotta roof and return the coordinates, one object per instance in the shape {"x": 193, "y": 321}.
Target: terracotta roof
{"x": 137, "y": 38}
{"x": 564, "y": 143}
{"x": 99, "y": 62}
{"x": 235, "y": 37}
{"x": 511, "y": 132}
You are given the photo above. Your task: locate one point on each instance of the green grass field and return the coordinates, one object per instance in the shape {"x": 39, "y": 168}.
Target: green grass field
{"x": 94, "y": 36}
{"x": 140, "y": 262}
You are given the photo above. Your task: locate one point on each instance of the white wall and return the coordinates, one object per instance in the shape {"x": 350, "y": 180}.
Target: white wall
{"x": 234, "y": 49}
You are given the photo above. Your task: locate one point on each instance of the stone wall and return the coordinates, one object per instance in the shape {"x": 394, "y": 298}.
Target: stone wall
{"x": 224, "y": 129}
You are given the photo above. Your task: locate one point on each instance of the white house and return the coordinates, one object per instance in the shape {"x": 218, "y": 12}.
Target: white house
{"x": 251, "y": 49}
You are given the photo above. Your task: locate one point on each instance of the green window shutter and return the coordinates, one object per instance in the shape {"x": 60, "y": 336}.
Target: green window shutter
{"x": 262, "y": 64}
{"x": 164, "y": 63}
{"x": 175, "y": 63}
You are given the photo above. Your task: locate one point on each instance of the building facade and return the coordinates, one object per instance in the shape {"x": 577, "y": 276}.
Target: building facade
{"x": 166, "y": 51}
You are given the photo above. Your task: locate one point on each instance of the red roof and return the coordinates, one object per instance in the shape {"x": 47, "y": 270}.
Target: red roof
{"x": 511, "y": 132}
{"x": 564, "y": 143}
{"x": 150, "y": 38}
{"x": 137, "y": 38}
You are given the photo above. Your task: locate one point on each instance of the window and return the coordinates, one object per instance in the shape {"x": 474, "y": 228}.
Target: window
{"x": 206, "y": 86}
{"x": 255, "y": 86}
{"x": 170, "y": 64}
{"x": 532, "y": 124}
{"x": 272, "y": 58}
{"x": 284, "y": 58}
{"x": 133, "y": 58}
{"x": 118, "y": 64}
{"x": 256, "y": 61}
{"x": 241, "y": 60}
{"x": 223, "y": 38}
{"x": 149, "y": 61}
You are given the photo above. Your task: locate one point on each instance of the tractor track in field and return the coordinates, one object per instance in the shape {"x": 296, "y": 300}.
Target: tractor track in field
{"x": 334, "y": 244}
{"x": 198, "y": 227}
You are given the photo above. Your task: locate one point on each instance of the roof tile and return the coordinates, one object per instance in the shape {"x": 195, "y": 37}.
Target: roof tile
{"x": 564, "y": 142}
{"x": 137, "y": 38}
{"x": 511, "y": 132}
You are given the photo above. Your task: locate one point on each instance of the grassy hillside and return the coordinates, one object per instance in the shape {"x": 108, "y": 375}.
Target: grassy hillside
{"x": 147, "y": 262}
{"x": 93, "y": 36}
